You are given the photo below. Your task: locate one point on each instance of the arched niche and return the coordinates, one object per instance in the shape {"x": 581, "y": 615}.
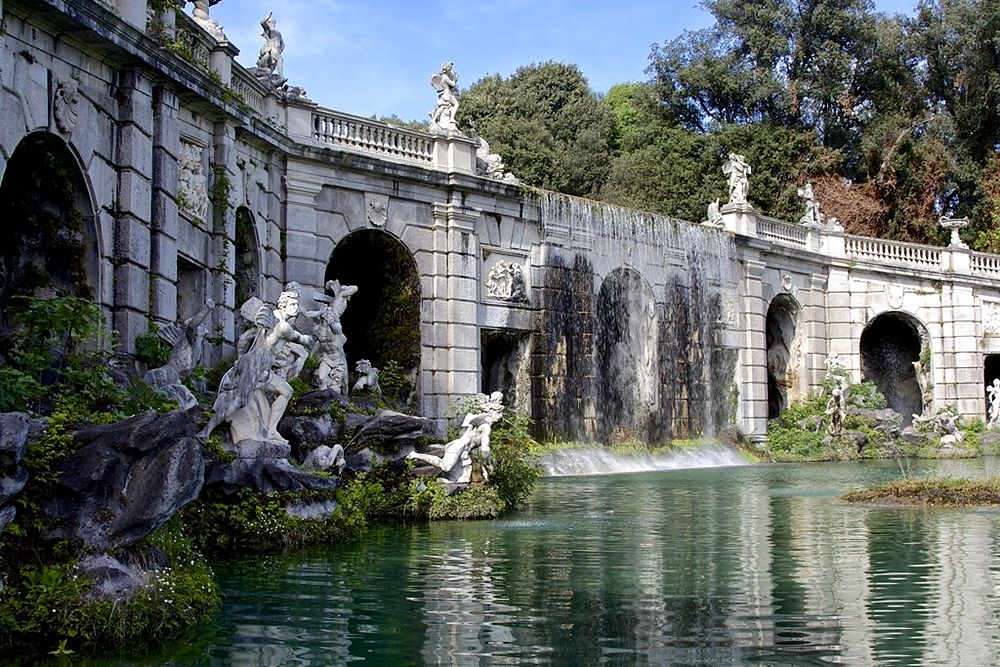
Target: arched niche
{"x": 382, "y": 321}
{"x": 783, "y": 350}
{"x": 48, "y": 236}
{"x": 895, "y": 357}
{"x": 626, "y": 356}
{"x": 247, "y": 269}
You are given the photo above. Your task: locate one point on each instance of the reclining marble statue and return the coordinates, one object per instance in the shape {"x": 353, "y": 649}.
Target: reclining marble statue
{"x": 185, "y": 339}
{"x": 456, "y": 462}
{"x": 368, "y": 377}
{"x": 253, "y": 395}
{"x": 332, "y": 371}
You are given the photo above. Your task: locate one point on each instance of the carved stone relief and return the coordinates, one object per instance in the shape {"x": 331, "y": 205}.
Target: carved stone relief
{"x": 192, "y": 185}
{"x": 505, "y": 282}
{"x": 377, "y": 209}
{"x": 894, "y": 295}
{"x": 66, "y": 105}
{"x": 991, "y": 317}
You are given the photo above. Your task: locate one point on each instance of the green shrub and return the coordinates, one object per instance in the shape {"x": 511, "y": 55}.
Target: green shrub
{"x": 150, "y": 349}
{"x": 515, "y": 465}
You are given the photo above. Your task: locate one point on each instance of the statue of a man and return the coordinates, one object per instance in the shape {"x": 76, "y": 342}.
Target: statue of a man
{"x": 456, "y": 462}
{"x": 812, "y": 217}
{"x": 332, "y": 372}
{"x": 200, "y": 15}
{"x": 446, "y": 85}
{"x": 738, "y": 170}
{"x": 244, "y": 393}
{"x": 271, "y": 60}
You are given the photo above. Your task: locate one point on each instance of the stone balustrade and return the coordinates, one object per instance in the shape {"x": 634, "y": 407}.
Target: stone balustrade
{"x": 982, "y": 264}
{"x": 779, "y": 231}
{"x": 880, "y": 251}
{"x": 192, "y": 42}
{"x": 249, "y": 90}
{"x": 353, "y": 133}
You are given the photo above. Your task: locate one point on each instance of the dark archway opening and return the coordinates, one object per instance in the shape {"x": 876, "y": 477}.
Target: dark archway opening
{"x": 780, "y": 330}
{"x": 991, "y": 371}
{"x": 247, "y": 267}
{"x": 48, "y": 242}
{"x": 382, "y": 321}
{"x": 626, "y": 358}
{"x": 503, "y": 358}
{"x": 890, "y": 344}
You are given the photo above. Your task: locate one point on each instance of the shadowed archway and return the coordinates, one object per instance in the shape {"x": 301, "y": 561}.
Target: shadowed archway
{"x": 48, "y": 239}
{"x": 892, "y": 345}
{"x": 782, "y": 342}
{"x": 382, "y": 321}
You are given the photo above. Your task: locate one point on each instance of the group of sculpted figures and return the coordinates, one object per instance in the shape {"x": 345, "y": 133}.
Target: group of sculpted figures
{"x": 255, "y": 391}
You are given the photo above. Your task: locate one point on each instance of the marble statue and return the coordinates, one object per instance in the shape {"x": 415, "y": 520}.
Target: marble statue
{"x": 505, "y": 282}
{"x": 946, "y": 422}
{"x": 738, "y": 171}
{"x": 290, "y": 359}
{"x": 252, "y": 396}
{"x": 446, "y": 85}
{"x": 837, "y": 411}
{"x": 812, "y": 218}
{"x": 66, "y": 105}
{"x": 955, "y": 224}
{"x": 201, "y": 17}
{"x": 271, "y": 63}
{"x": 926, "y": 387}
{"x": 332, "y": 371}
{"x": 490, "y": 165}
{"x": 368, "y": 380}
{"x": 192, "y": 185}
{"x": 836, "y": 371}
{"x": 993, "y": 394}
{"x": 456, "y": 462}
{"x": 185, "y": 339}
{"x": 714, "y": 216}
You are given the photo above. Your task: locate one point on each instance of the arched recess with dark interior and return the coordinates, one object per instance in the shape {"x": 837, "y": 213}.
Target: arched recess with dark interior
{"x": 247, "y": 267}
{"x": 890, "y": 345}
{"x": 781, "y": 338}
{"x": 626, "y": 357}
{"x": 382, "y": 321}
{"x": 991, "y": 371}
{"x": 48, "y": 237}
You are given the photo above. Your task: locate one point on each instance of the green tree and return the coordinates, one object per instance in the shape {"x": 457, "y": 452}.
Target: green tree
{"x": 548, "y": 125}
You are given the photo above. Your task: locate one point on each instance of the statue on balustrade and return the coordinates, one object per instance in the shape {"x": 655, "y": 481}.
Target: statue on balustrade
{"x": 812, "y": 218}
{"x": 455, "y": 462}
{"x": 253, "y": 393}
{"x": 446, "y": 84}
{"x": 738, "y": 172}
{"x": 332, "y": 371}
{"x": 201, "y": 17}
{"x": 714, "y": 216}
{"x": 186, "y": 340}
{"x": 271, "y": 63}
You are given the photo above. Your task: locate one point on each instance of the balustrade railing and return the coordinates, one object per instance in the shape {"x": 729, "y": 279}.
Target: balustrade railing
{"x": 191, "y": 42}
{"x": 780, "y": 231}
{"x": 248, "y": 89}
{"x": 984, "y": 265}
{"x": 893, "y": 252}
{"x": 360, "y": 134}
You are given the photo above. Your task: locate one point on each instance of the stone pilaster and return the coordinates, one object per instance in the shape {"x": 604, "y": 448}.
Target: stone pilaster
{"x": 301, "y": 229}
{"x": 753, "y": 356}
{"x": 163, "y": 260}
{"x": 134, "y": 160}
{"x": 814, "y": 345}
{"x": 223, "y": 267}
{"x": 451, "y": 354}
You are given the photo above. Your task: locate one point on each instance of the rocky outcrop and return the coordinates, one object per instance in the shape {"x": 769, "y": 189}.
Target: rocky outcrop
{"x": 388, "y": 429}
{"x": 262, "y": 465}
{"x": 13, "y": 444}
{"x": 126, "y": 480}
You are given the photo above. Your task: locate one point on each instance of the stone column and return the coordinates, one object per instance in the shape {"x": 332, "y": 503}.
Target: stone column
{"x": 814, "y": 334}
{"x": 753, "y": 356}
{"x": 165, "y": 225}
{"x": 839, "y": 325}
{"x": 451, "y": 354}
{"x": 299, "y": 243}
{"x": 134, "y": 161}
{"x": 223, "y": 248}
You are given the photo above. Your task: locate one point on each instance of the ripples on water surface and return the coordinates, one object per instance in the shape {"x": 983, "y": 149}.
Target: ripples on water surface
{"x": 754, "y": 564}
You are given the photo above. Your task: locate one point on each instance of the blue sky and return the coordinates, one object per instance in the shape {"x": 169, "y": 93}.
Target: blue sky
{"x": 376, "y": 56}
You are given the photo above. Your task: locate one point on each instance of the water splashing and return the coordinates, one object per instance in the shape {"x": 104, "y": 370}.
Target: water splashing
{"x": 599, "y": 461}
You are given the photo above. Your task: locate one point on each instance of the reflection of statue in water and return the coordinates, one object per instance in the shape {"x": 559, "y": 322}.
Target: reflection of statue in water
{"x": 993, "y": 393}
{"x": 446, "y": 85}
{"x": 243, "y": 398}
{"x": 368, "y": 380}
{"x": 331, "y": 373}
{"x": 456, "y": 462}
{"x": 185, "y": 339}
{"x": 271, "y": 62}
{"x": 738, "y": 170}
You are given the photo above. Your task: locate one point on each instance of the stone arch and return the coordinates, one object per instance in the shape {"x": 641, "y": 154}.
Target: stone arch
{"x": 783, "y": 344}
{"x": 625, "y": 352}
{"x": 49, "y": 240}
{"x": 382, "y": 321}
{"x": 895, "y": 357}
{"x": 248, "y": 258}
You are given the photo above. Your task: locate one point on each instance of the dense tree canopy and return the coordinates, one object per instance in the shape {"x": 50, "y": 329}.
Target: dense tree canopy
{"x": 896, "y": 120}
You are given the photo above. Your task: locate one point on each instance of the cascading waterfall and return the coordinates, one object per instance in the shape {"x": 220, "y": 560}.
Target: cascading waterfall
{"x": 634, "y": 308}
{"x": 598, "y": 461}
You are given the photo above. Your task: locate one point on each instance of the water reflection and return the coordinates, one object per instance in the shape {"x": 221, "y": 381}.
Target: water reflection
{"x": 757, "y": 564}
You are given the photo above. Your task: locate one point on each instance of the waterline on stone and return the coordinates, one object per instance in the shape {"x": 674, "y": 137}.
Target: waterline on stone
{"x": 599, "y": 461}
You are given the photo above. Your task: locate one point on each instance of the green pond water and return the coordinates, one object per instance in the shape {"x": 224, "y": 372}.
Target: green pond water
{"x": 754, "y": 564}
